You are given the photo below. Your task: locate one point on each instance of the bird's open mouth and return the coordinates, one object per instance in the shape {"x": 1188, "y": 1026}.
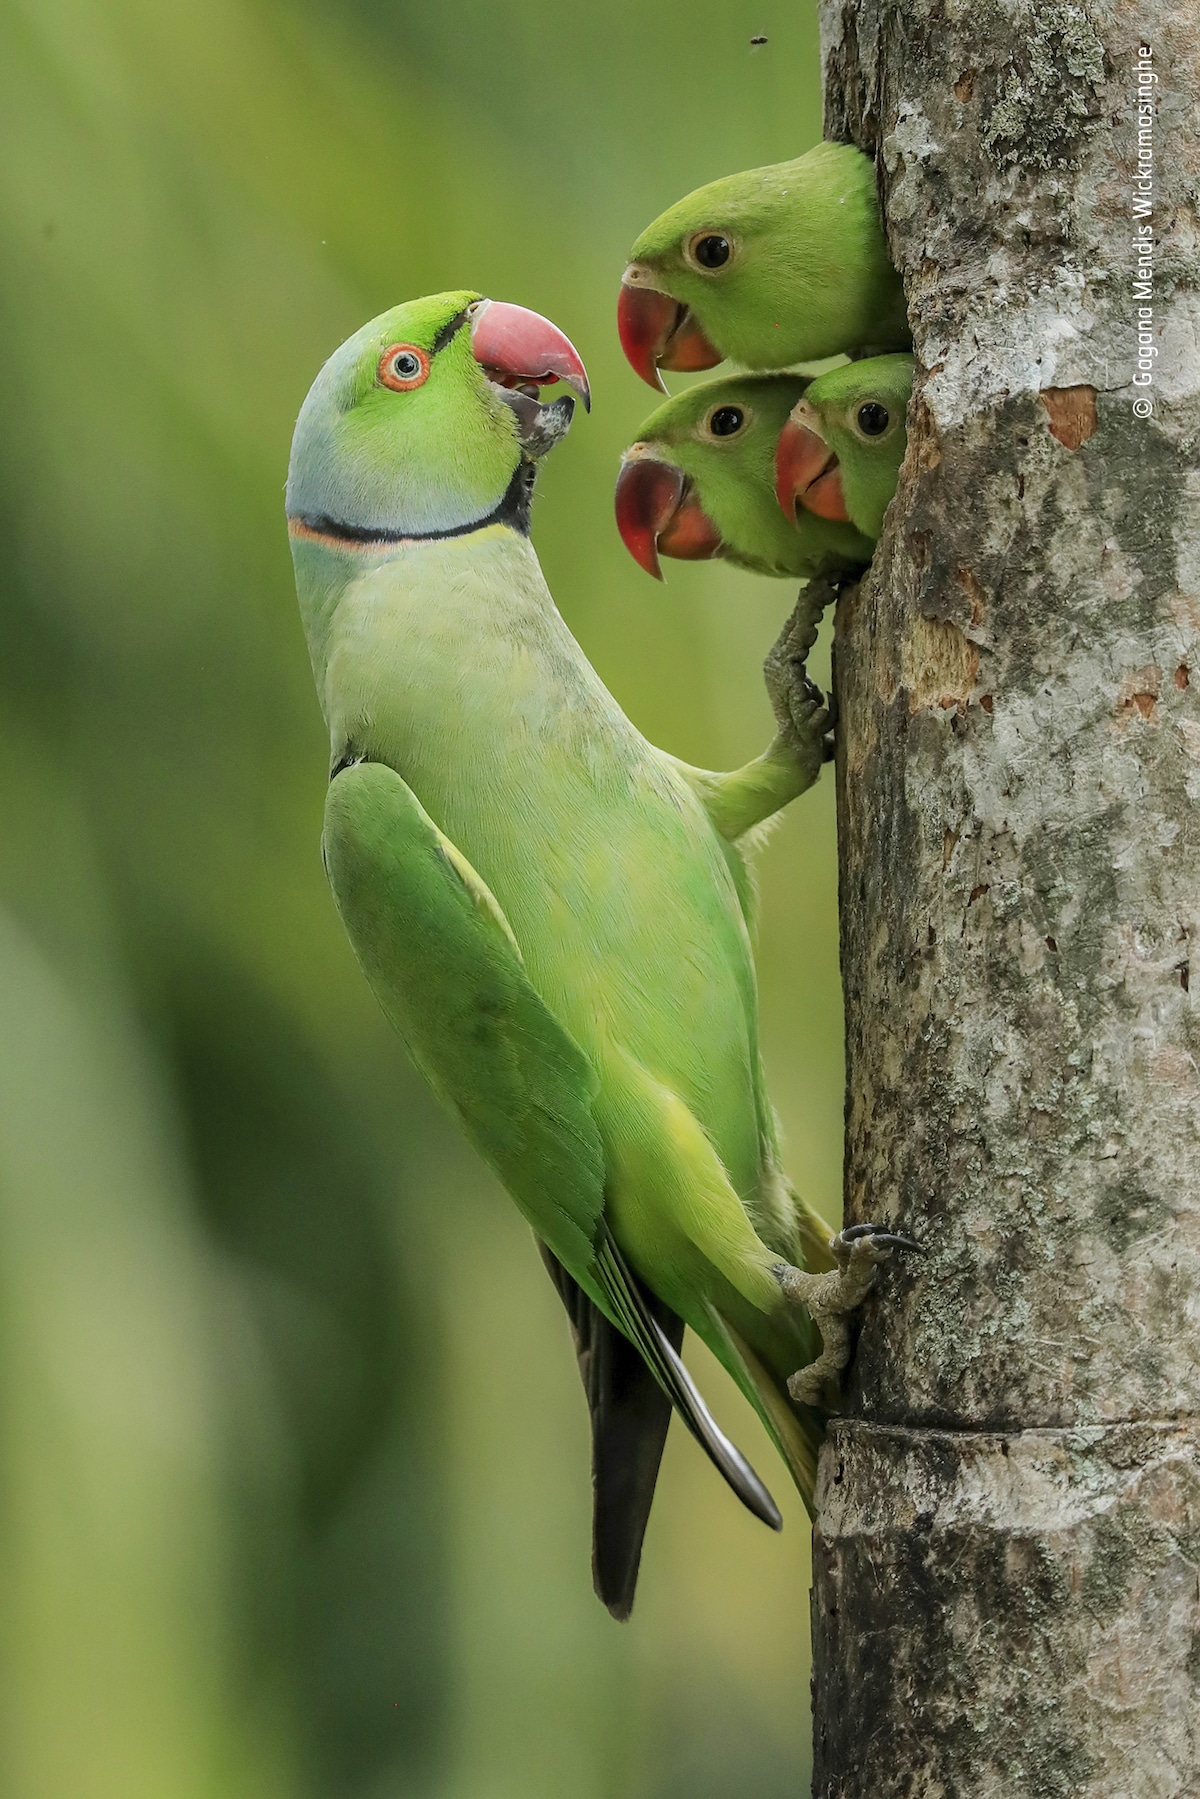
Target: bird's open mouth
{"x": 807, "y": 472}
{"x": 658, "y": 332}
{"x": 658, "y": 513}
{"x": 540, "y": 423}
{"x": 520, "y": 353}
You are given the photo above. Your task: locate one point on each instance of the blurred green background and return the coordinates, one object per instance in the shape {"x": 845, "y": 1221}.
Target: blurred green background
{"x": 294, "y": 1493}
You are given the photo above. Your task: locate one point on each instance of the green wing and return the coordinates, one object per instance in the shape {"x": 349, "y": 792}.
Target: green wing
{"x": 444, "y": 964}
{"x": 441, "y": 959}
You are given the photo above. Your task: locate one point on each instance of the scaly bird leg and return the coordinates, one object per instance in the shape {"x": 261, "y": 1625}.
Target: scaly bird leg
{"x": 804, "y": 740}
{"x": 805, "y": 717}
{"x": 832, "y": 1299}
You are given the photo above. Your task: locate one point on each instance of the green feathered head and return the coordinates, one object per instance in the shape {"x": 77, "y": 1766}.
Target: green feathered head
{"x": 839, "y": 455}
{"x": 427, "y": 422}
{"x": 774, "y": 266}
{"x": 700, "y": 482}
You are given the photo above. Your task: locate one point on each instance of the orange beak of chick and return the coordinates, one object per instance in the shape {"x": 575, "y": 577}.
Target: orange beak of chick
{"x": 807, "y": 472}
{"x": 658, "y": 332}
{"x": 657, "y": 513}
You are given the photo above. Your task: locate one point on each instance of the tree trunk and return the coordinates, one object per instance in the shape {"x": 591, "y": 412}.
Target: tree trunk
{"x": 1007, "y": 1559}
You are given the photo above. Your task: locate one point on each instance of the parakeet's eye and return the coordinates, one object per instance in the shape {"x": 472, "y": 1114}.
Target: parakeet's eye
{"x": 873, "y": 419}
{"x": 710, "y": 250}
{"x": 403, "y": 367}
{"x": 726, "y": 420}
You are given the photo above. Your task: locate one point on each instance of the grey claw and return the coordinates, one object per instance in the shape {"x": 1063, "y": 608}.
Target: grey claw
{"x": 885, "y": 1238}
{"x": 803, "y": 713}
{"x": 832, "y": 1298}
{"x": 831, "y": 707}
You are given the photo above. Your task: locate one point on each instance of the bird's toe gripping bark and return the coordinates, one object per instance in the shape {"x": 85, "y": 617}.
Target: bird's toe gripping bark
{"x": 802, "y": 712}
{"x": 832, "y": 1299}
{"x": 804, "y": 715}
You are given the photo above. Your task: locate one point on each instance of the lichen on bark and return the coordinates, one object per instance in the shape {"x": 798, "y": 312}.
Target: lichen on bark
{"x": 1019, "y": 766}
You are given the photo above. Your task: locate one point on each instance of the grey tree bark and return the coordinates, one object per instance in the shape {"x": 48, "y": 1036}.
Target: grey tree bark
{"x": 1007, "y": 1565}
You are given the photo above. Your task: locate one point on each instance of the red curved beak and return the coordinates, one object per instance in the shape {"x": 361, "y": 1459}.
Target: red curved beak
{"x": 658, "y": 332}
{"x": 807, "y": 474}
{"x": 656, "y": 512}
{"x": 517, "y": 345}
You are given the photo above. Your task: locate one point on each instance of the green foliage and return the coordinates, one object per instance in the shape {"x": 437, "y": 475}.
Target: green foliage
{"x": 295, "y": 1486}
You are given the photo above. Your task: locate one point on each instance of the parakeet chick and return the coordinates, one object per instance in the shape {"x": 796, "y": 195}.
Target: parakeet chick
{"x": 838, "y": 456}
{"x": 551, "y": 911}
{"x": 700, "y": 482}
{"x": 771, "y": 267}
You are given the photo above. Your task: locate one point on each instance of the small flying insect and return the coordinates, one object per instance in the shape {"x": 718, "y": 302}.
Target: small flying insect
{"x": 756, "y": 43}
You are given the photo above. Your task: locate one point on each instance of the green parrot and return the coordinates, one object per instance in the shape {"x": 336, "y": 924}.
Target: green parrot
{"x": 768, "y": 268}
{"x": 552, "y": 912}
{"x": 839, "y": 454}
{"x": 700, "y": 482}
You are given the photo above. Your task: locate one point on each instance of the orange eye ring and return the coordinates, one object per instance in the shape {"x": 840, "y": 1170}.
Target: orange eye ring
{"x": 403, "y": 367}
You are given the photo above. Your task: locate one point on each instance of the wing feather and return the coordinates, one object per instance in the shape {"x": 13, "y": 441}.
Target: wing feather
{"x": 442, "y": 960}
{"x": 445, "y": 966}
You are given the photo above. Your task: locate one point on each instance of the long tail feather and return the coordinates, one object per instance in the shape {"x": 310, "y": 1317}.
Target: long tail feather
{"x": 797, "y": 1434}
{"x": 626, "y": 1295}
{"x": 630, "y": 1414}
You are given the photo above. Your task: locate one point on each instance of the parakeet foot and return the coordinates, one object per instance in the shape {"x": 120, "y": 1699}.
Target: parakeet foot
{"x": 832, "y": 1299}
{"x": 804, "y": 715}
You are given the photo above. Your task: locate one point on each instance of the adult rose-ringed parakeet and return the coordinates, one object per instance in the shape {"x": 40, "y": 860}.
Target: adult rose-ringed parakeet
{"x": 768, "y": 268}
{"x": 550, "y": 910}
{"x": 838, "y": 456}
{"x": 700, "y": 482}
